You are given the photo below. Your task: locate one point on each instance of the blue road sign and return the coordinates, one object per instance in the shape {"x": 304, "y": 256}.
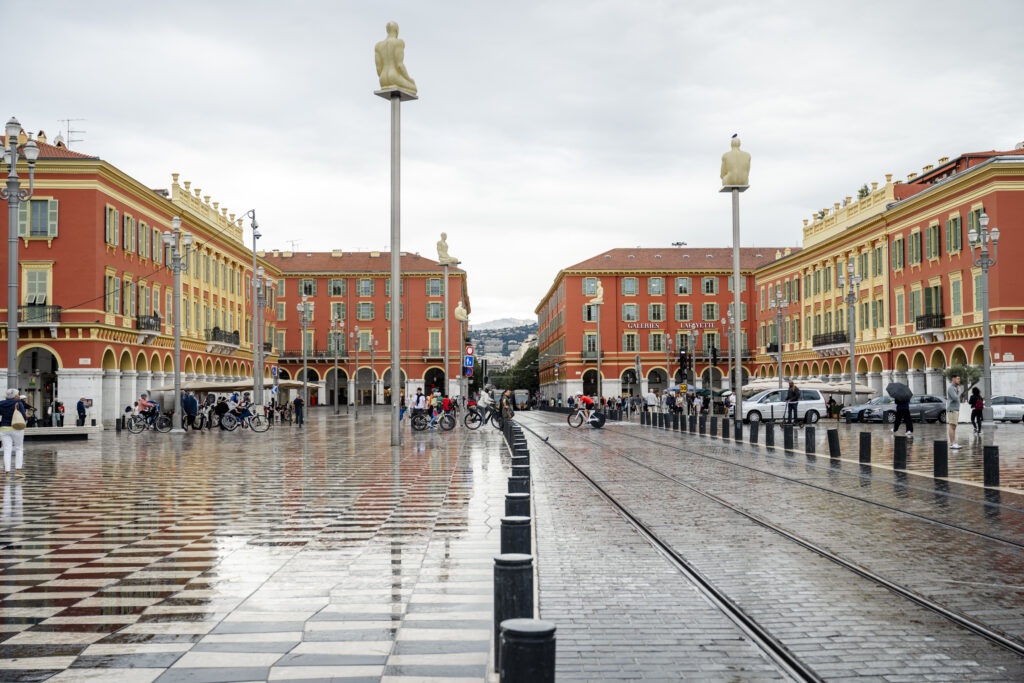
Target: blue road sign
{"x": 469, "y": 372}
{"x": 468, "y": 361}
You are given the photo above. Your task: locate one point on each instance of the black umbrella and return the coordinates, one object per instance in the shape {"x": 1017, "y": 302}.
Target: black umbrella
{"x": 899, "y": 392}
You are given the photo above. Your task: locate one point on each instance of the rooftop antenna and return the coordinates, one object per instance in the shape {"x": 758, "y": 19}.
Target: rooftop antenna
{"x": 293, "y": 243}
{"x": 69, "y": 138}
{"x": 679, "y": 244}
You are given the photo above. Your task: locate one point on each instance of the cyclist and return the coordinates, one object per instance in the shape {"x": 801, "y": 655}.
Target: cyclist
{"x": 147, "y": 408}
{"x": 435, "y": 408}
{"x": 585, "y": 402}
{"x": 243, "y": 409}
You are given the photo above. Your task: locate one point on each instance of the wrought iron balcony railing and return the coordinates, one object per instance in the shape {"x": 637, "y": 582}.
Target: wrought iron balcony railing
{"x": 222, "y": 336}
{"x": 930, "y": 321}
{"x": 148, "y": 322}
{"x": 39, "y": 315}
{"x": 830, "y": 338}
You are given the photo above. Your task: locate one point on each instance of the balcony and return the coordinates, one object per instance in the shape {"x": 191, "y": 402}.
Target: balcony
{"x": 268, "y": 347}
{"x": 831, "y": 343}
{"x": 590, "y": 355}
{"x": 221, "y": 341}
{"x": 772, "y": 348}
{"x": 931, "y": 326}
{"x": 315, "y": 353}
{"x": 148, "y": 326}
{"x": 40, "y": 316}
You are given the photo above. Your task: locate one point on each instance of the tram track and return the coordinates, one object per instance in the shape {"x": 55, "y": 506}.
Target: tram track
{"x": 765, "y": 641}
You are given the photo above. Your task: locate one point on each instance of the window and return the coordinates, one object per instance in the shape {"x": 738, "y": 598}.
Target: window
{"x": 710, "y": 341}
{"x": 630, "y": 312}
{"x": 434, "y": 287}
{"x": 817, "y": 282}
{"x": 630, "y": 286}
{"x": 589, "y": 313}
{"x": 656, "y": 312}
{"x": 280, "y": 310}
{"x": 590, "y": 343}
{"x": 435, "y": 342}
{"x": 307, "y": 287}
{"x": 955, "y": 298}
{"x": 897, "y": 254}
{"x": 914, "y": 247}
{"x": 365, "y": 287}
{"x": 932, "y": 248}
{"x": 336, "y": 342}
{"x": 710, "y": 312}
{"x": 915, "y": 306}
{"x": 743, "y": 283}
{"x": 387, "y": 311}
{"x": 37, "y": 218}
{"x": 280, "y": 288}
{"x": 36, "y": 287}
{"x": 683, "y": 285}
{"x": 589, "y": 286}
{"x": 629, "y": 342}
{"x": 387, "y": 287}
{"x": 435, "y": 309}
{"x": 364, "y": 311}
{"x": 655, "y": 285}
{"x": 899, "y": 309}
{"x": 877, "y": 261}
{"x": 336, "y": 287}
{"x": 827, "y": 277}
{"x": 684, "y": 312}
{"x": 954, "y": 235}
{"x": 732, "y": 311}
{"x": 709, "y": 285}
{"x": 655, "y": 341}
{"x": 337, "y": 311}
{"x": 933, "y": 300}
{"x": 785, "y": 291}
{"x": 111, "y": 225}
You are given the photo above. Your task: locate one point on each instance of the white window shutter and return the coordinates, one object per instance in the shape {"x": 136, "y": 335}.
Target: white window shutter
{"x": 51, "y": 218}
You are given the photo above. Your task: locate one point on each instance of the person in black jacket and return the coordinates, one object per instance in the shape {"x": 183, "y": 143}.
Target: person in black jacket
{"x": 81, "y": 412}
{"x": 220, "y": 410}
{"x": 792, "y": 401}
{"x": 13, "y": 439}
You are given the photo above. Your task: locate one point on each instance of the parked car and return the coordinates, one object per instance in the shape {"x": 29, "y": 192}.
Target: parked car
{"x": 924, "y": 408}
{"x": 771, "y": 405}
{"x": 1008, "y": 408}
{"x": 856, "y": 413}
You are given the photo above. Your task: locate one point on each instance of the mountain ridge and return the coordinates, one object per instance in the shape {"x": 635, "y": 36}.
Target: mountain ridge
{"x": 502, "y": 323}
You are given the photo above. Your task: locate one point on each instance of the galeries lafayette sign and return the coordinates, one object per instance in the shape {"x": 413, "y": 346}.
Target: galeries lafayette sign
{"x": 656, "y": 326}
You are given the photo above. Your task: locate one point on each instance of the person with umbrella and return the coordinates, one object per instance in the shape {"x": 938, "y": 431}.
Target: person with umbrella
{"x": 901, "y": 394}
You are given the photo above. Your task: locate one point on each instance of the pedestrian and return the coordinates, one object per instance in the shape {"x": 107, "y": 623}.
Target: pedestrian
{"x": 902, "y": 401}
{"x": 189, "y": 408}
{"x": 80, "y": 408}
{"x": 299, "y": 404}
{"x": 792, "y": 402}
{"x": 977, "y": 404}
{"x": 220, "y": 409}
{"x": 507, "y": 403}
{"x": 953, "y": 409}
{"x": 698, "y": 404}
{"x": 419, "y": 403}
{"x": 650, "y": 401}
{"x": 12, "y": 431}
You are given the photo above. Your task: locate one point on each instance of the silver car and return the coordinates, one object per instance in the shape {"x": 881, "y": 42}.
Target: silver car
{"x": 771, "y": 405}
{"x": 1007, "y": 408}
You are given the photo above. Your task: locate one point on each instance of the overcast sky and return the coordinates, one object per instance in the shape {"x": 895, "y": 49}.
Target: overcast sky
{"x": 546, "y": 132}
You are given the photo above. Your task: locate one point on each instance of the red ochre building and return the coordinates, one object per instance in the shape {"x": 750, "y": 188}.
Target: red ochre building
{"x": 355, "y": 287}
{"x": 919, "y": 306}
{"x": 652, "y": 298}
{"x": 96, "y": 294}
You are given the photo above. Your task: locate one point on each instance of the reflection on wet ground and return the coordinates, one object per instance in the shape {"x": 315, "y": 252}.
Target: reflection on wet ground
{"x": 295, "y": 554}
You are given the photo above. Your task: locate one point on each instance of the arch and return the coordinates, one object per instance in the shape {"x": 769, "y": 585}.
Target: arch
{"x": 590, "y": 382}
{"x": 958, "y": 356}
{"x": 815, "y": 369}
{"x": 938, "y": 359}
{"x": 787, "y": 371}
{"x": 234, "y": 369}
{"x": 189, "y": 367}
{"x": 978, "y": 357}
{"x": 629, "y": 384}
{"x": 109, "y": 361}
{"x": 837, "y": 368}
{"x": 918, "y": 362}
{"x": 433, "y": 378}
{"x": 284, "y": 374}
{"x": 126, "y": 361}
{"x": 141, "y": 364}
{"x": 38, "y": 345}
{"x": 876, "y": 364}
{"x": 266, "y": 372}
{"x": 209, "y": 367}
{"x": 902, "y": 364}
{"x": 154, "y": 362}
{"x": 366, "y": 382}
{"x": 311, "y": 375}
{"x": 711, "y": 378}
{"x": 862, "y": 365}
{"x": 805, "y": 369}
{"x": 657, "y": 379}
{"x": 337, "y": 390}
{"x": 218, "y": 369}
{"x": 37, "y": 366}
{"x": 386, "y": 379}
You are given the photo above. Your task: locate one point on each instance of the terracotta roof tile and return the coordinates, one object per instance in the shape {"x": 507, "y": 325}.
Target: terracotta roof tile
{"x": 673, "y": 258}
{"x": 48, "y": 151}
{"x": 350, "y": 261}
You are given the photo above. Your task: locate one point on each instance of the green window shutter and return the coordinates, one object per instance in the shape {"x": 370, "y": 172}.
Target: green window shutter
{"x": 23, "y": 219}
{"x": 949, "y": 236}
{"x": 116, "y": 227}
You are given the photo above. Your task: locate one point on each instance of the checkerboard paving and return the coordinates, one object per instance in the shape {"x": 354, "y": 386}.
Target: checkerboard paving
{"x": 289, "y": 556}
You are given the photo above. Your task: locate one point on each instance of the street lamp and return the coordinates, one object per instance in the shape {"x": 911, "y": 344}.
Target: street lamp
{"x": 980, "y": 237}
{"x": 14, "y": 196}
{"x": 258, "y": 302}
{"x": 179, "y": 243}
{"x": 354, "y": 335}
{"x": 728, "y": 321}
{"x": 851, "y": 282}
{"x": 304, "y": 322}
{"x": 373, "y": 374}
{"x": 778, "y": 305}
{"x": 337, "y": 332}
{"x": 668, "y": 361}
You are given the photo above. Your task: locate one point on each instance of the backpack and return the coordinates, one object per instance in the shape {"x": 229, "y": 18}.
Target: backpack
{"x": 977, "y": 402}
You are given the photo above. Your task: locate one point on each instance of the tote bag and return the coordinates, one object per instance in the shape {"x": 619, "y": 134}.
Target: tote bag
{"x": 17, "y": 419}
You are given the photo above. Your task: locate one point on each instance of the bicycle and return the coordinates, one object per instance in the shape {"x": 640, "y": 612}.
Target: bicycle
{"x": 596, "y": 420}
{"x": 140, "y": 423}
{"x": 474, "y": 418}
{"x": 257, "y": 423}
{"x": 420, "y": 422}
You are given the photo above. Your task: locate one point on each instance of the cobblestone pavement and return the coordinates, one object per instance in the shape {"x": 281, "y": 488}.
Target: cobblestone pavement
{"x": 841, "y": 624}
{"x": 310, "y": 554}
{"x": 964, "y": 465}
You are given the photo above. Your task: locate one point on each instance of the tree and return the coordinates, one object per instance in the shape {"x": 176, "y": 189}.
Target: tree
{"x": 863, "y": 192}
{"x": 970, "y": 375}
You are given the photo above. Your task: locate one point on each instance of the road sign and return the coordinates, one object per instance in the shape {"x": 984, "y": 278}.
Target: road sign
{"x": 469, "y": 350}
{"x": 273, "y": 371}
{"x": 469, "y": 372}
{"x": 273, "y": 390}
{"x": 468, "y": 361}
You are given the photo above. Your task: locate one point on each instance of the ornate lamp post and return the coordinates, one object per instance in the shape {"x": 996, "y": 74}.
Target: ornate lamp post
{"x": 373, "y": 374}
{"x": 668, "y": 361}
{"x": 980, "y": 237}
{"x": 259, "y": 302}
{"x": 179, "y": 243}
{"x": 851, "y": 282}
{"x": 356, "y": 343}
{"x": 304, "y": 322}
{"x": 14, "y": 196}
{"x": 778, "y": 306}
{"x": 337, "y": 333}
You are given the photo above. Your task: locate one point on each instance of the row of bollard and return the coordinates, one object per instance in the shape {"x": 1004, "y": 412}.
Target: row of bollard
{"x": 701, "y": 425}
{"x": 524, "y": 647}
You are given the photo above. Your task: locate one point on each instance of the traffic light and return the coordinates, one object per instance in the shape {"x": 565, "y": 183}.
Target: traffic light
{"x": 714, "y": 355}
{"x": 682, "y": 360}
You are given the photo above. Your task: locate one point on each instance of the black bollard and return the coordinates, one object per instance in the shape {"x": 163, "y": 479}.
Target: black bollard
{"x": 117, "y": 425}
{"x": 737, "y": 430}
{"x": 865, "y": 446}
{"x": 515, "y": 535}
{"x": 940, "y": 466}
{"x": 518, "y": 484}
{"x": 513, "y": 593}
{"x": 527, "y": 651}
{"x": 643, "y": 418}
{"x": 693, "y": 423}
{"x": 990, "y": 463}
{"x": 520, "y": 459}
{"x": 725, "y": 428}
{"x": 714, "y": 426}
{"x": 787, "y": 437}
{"x": 675, "y": 421}
{"x": 899, "y": 453}
{"x": 769, "y": 433}
{"x": 521, "y": 471}
{"x": 809, "y": 444}
{"x": 703, "y": 425}
{"x": 517, "y": 504}
{"x": 833, "y": 443}
{"x": 754, "y": 428}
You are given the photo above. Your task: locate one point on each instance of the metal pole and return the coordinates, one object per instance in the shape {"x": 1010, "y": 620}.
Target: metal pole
{"x": 736, "y": 294}
{"x": 778, "y": 340}
{"x": 986, "y": 413}
{"x": 305, "y": 373}
{"x": 337, "y": 394}
{"x": 257, "y": 346}
{"x": 444, "y": 317}
{"x": 396, "y": 287}
{"x": 373, "y": 373}
{"x": 176, "y": 265}
{"x": 853, "y": 342}
{"x": 598, "y": 313}
{"x": 358, "y": 396}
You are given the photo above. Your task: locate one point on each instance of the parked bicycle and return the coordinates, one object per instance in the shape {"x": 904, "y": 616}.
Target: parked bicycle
{"x": 596, "y": 419}
{"x": 476, "y": 417}
{"x": 140, "y": 423}
{"x": 421, "y": 421}
{"x": 257, "y": 423}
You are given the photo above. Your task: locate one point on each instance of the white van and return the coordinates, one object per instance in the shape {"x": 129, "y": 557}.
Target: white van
{"x": 771, "y": 405}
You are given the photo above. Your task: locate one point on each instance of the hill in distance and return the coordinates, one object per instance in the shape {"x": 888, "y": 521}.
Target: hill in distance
{"x": 502, "y": 323}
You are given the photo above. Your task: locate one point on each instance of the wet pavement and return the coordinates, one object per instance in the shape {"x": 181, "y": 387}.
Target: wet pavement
{"x": 951, "y": 543}
{"x": 309, "y": 554}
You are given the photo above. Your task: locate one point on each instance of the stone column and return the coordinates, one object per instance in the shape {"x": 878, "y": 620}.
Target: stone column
{"x": 350, "y": 388}
{"x": 612, "y": 387}
{"x": 143, "y": 383}
{"x": 875, "y": 382}
{"x": 76, "y": 383}
{"x": 128, "y": 395}
{"x": 917, "y": 381}
{"x": 934, "y": 382}
{"x": 110, "y": 401}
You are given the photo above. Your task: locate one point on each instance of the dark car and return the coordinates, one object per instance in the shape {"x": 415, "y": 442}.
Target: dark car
{"x": 856, "y": 413}
{"x": 926, "y": 408}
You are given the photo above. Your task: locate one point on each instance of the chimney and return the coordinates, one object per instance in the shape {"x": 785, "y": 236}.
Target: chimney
{"x": 943, "y": 160}
{"x": 336, "y": 253}
{"x": 787, "y": 252}
{"x": 42, "y": 136}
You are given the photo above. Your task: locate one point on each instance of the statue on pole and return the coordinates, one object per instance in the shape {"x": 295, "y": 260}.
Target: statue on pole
{"x": 442, "y": 252}
{"x": 598, "y": 295}
{"x": 460, "y": 313}
{"x": 735, "y": 165}
{"x": 389, "y": 54}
